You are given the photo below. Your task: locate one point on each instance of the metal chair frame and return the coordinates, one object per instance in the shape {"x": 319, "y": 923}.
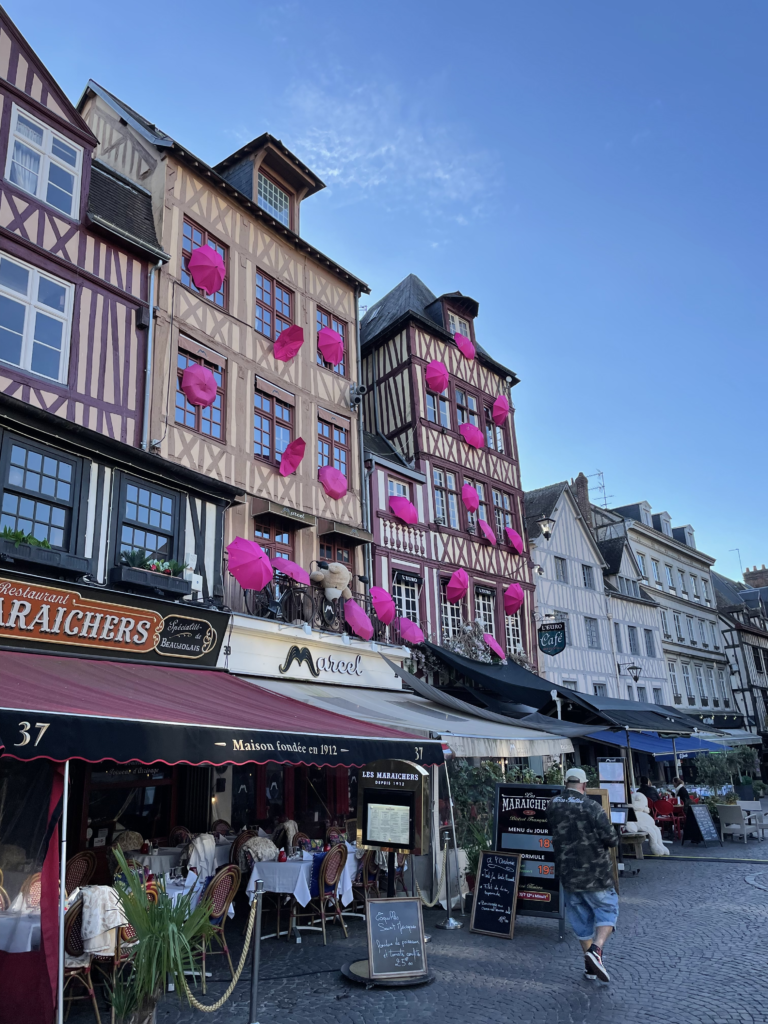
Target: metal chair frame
{"x": 221, "y": 898}
{"x": 332, "y": 866}
{"x": 73, "y": 945}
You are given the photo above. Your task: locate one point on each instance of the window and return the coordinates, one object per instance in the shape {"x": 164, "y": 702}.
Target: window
{"x": 691, "y": 635}
{"x": 711, "y": 682}
{"x": 650, "y": 646}
{"x": 450, "y": 614}
{"x": 502, "y": 511}
{"x": 700, "y": 680}
{"x": 705, "y": 589}
{"x": 561, "y": 569}
{"x": 588, "y": 576}
{"x": 494, "y": 434}
{"x": 678, "y": 627}
{"x": 35, "y": 318}
{"x": 466, "y": 408}
{"x": 634, "y": 646}
{"x": 681, "y": 578}
{"x": 629, "y": 587}
{"x": 397, "y": 489}
{"x": 274, "y": 307}
{"x": 482, "y": 511}
{"x": 758, "y": 657}
{"x": 330, "y": 552}
{"x": 673, "y": 677}
{"x": 721, "y": 684}
{"x": 38, "y": 493}
{"x": 210, "y": 420}
{"x": 485, "y": 601}
{"x": 642, "y": 694}
{"x": 272, "y": 421}
{"x": 438, "y": 410}
{"x": 665, "y": 623}
{"x": 446, "y": 498}
{"x": 148, "y": 520}
{"x": 329, "y": 320}
{"x": 702, "y": 631}
{"x": 277, "y": 541}
{"x": 274, "y": 200}
{"x": 630, "y": 693}
{"x": 572, "y": 684}
{"x": 657, "y": 695}
{"x": 514, "y": 634}
{"x": 457, "y": 326}
{"x": 563, "y": 617}
{"x": 656, "y": 573}
{"x": 713, "y": 634}
{"x": 695, "y": 588}
{"x": 670, "y": 580}
{"x": 405, "y": 593}
{"x": 593, "y": 633}
{"x": 193, "y": 237}
{"x": 687, "y": 682}
{"x": 332, "y": 446}
{"x": 600, "y": 689}
{"x": 44, "y": 163}
{"x": 617, "y": 633}
{"x": 641, "y": 563}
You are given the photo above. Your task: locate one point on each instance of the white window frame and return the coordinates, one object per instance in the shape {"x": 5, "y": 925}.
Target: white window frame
{"x": 691, "y": 630}
{"x": 31, "y": 308}
{"x": 650, "y": 643}
{"x": 658, "y": 695}
{"x": 564, "y": 618}
{"x": 681, "y": 576}
{"x": 670, "y": 578}
{"x": 617, "y": 633}
{"x": 641, "y": 563}
{"x": 602, "y": 687}
{"x": 588, "y": 576}
{"x": 700, "y": 680}
{"x": 633, "y": 640}
{"x": 451, "y": 615}
{"x": 721, "y": 682}
{"x": 561, "y": 569}
{"x": 715, "y": 637}
{"x": 656, "y": 573}
{"x": 405, "y": 594}
{"x": 47, "y": 157}
{"x": 664, "y": 622}
{"x": 642, "y": 694}
{"x": 672, "y": 669}
{"x": 596, "y": 635}
{"x": 687, "y": 681}
{"x": 457, "y": 326}
{"x": 283, "y": 216}
{"x": 398, "y": 488}
{"x": 630, "y": 692}
{"x": 514, "y": 633}
{"x": 679, "y": 635}
{"x": 702, "y": 631}
{"x": 711, "y": 682}
{"x": 485, "y": 608}
{"x": 695, "y": 587}
{"x": 705, "y": 588}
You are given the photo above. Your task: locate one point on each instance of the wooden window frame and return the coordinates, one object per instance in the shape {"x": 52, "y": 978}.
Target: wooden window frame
{"x": 334, "y": 323}
{"x": 218, "y": 369}
{"x": 442, "y": 405}
{"x": 122, "y": 483}
{"x": 48, "y": 159}
{"x": 459, "y": 319}
{"x": 71, "y": 504}
{"x": 495, "y": 438}
{"x": 339, "y": 552}
{"x": 447, "y": 491}
{"x": 272, "y": 539}
{"x": 218, "y": 246}
{"x": 397, "y": 483}
{"x": 286, "y": 192}
{"x": 472, "y": 517}
{"x": 490, "y": 593}
{"x": 504, "y": 516}
{"x": 454, "y": 613}
{"x": 335, "y": 445}
{"x": 278, "y": 321}
{"x": 463, "y": 408}
{"x": 263, "y": 394}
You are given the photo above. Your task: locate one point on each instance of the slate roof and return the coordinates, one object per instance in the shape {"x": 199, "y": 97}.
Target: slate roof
{"x": 727, "y": 592}
{"x": 122, "y": 208}
{"x": 376, "y": 444}
{"x": 612, "y": 550}
{"x": 538, "y": 503}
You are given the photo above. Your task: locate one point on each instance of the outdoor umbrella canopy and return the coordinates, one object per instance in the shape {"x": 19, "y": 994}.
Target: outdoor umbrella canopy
{"x": 492, "y": 643}
{"x": 464, "y": 346}
{"x": 511, "y": 681}
{"x": 410, "y": 632}
{"x": 457, "y": 587}
{"x": 470, "y": 497}
{"x": 500, "y": 410}
{"x": 207, "y": 269}
{"x": 198, "y": 385}
{"x": 333, "y": 480}
{"x": 292, "y": 456}
{"x": 486, "y": 531}
{"x": 331, "y": 345}
{"x": 513, "y": 598}
{"x": 514, "y": 539}
{"x": 403, "y": 509}
{"x": 472, "y": 435}
{"x": 383, "y": 605}
{"x": 357, "y": 620}
{"x": 436, "y": 376}
{"x": 249, "y": 564}
{"x": 288, "y": 343}
{"x": 291, "y": 569}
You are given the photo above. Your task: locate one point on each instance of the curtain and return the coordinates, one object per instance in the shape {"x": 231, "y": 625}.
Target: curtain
{"x": 25, "y": 168}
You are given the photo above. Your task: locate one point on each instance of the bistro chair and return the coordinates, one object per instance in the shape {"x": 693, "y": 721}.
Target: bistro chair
{"x": 79, "y": 967}
{"x": 734, "y": 823}
{"x": 5, "y": 899}
{"x": 366, "y": 885}
{"x": 179, "y": 834}
{"x": 220, "y": 891}
{"x": 242, "y": 838}
{"x": 301, "y": 841}
{"x": 221, "y": 826}
{"x": 335, "y": 834}
{"x": 31, "y": 891}
{"x": 663, "y": 813}
{"x": 80, "y": 870}
{"x": 328, "y": 886}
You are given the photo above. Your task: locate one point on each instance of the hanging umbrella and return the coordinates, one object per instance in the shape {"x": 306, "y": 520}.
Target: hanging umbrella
{"x": 291, "y": 569}
{"x": 292, "y": 456}
{"x": 403, "y": 509}
{"x": 410, "y": 632}
{"x": 457, "y": 587}
{"x": 436, "y": 376}
{"x": 383, "y": 605}
{"x": 514, "y": 539}
{"x": 464, "y": 346}
{"x": 249, "y": 564}
{"x": 331, "y": 345}
{"x": 334, "y": 482}
{"x": 199, "y": 385}
{"x": 472, "y": 435}
{"x": 486, "y": 531}
{"x": 207, "y": 269}
{"x": 470, "y": 497}
{"x": 500, "y": 410}
{"x": 513, "y": 598}
{"x": 357, "y": 620}
{"x": 288, "y": 343}
{"x": 491, "y": 641}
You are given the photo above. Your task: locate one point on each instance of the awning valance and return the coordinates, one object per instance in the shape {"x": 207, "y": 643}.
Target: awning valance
{"x": 659, "y": 747}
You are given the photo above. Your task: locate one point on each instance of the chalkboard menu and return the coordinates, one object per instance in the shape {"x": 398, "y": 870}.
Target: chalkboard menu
{"x": 395, "y": 938}
{"x": 495, "y": 901}
{"x": 699, "y": 827}
{"x": 521, "y": 826}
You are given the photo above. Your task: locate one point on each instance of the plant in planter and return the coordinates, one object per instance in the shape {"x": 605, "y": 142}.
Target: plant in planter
{"x": 19, "y": 537}
{"x": 169, "y": 568}
{"x": 480, "y": 840}
{"x": 136, "y": 558}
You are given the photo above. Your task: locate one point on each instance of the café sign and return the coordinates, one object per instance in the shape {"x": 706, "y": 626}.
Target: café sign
{"x": 552, "y": 638}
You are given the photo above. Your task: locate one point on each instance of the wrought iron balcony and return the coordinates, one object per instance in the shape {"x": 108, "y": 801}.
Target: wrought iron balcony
{"x": 705, "y": 702}
{"x": 715, "y": 702}
{"x": 678, "y": 699}
{"x": 691, "y": 701}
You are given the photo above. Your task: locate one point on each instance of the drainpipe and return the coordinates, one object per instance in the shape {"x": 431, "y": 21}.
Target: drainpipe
{"x": 148, "y": 369}
{"x": 364, "y": 495}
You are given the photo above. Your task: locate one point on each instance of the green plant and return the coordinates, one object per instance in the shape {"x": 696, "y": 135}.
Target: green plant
{"x": 19, "y": 537}
{"x": 136, "y": 558}
{"x": 480, "y": 839}
{"x": 713, "y": 769}
{"x": 122, "y": 998}
{"x": 473, "y": 788}
{"x": 759, "y": 788}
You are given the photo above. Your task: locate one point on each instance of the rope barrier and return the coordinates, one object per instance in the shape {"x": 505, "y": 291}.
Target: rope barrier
{"x": 246, "y": 948}
{"x": 439, "y": 884}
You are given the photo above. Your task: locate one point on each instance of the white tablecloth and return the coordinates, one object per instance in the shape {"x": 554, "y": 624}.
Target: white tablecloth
{"x": 295, "y": 876}
{"x": 223, "y": 850}
{"x": 19, "y": 933}
{"x": 177, "y": 887}
{"x": 159, "y": 863}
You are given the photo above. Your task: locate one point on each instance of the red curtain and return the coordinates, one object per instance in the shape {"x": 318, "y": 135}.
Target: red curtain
{"x": 288, "y": 790}
{"x": 338, "y": 778}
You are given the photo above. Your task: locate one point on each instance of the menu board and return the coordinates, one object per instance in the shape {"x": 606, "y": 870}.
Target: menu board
{"x": 611, "y": 773}
{"x": 521, "y": 826}
{"x": 388, "y": 823}
{"x": 395, "y": 938}
{"x": 495, "y": 901}
{"x": 699, "y": 827}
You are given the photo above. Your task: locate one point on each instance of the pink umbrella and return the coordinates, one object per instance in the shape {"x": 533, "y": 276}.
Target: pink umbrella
{"x": 292, "y": 456}
{"x": 403, "y": 509}
{"x": 288, "y": 343}
{"x": 334, "y": 482}
{"x": 383, "y": 605}
{"x": 457, "y": 587}
{"x": 291, "y": 569}
{"x": 436, "y": 376}
{"x": 199, "y": 385}
{"x": 249, "y": 564}
{"x": 513, "y": 598}
{"x": 472, "y": 435}
{"x": 410, "y": 632}
{"x": 500, "y": 410}
{"x": 356, "y": 618}
{"x": 464, "y": 346}
{"x": 470, "y": 497}
{"x": 491, "y": 641}
{"x": 207, "y": 269}
{"x": 486, "y": 531}
{"x": 331, "y": 345}
{"x": 514, "y": 539}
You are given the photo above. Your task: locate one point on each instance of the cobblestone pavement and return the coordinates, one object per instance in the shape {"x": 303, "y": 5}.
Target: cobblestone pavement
{"x": 690, "y": 949}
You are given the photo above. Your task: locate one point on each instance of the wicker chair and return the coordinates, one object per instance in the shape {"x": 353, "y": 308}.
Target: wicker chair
{"x": 221, "y": 826}
{"x": 73, "y": 946}
{"x": 179, "y": 834}
{"x": 242, "y": 838}
{"x": 32, "y": 890}
{"x": 335, "y": 834}
{"x": 366, "y": 885}
{"x": 221, "y": 890}
{"x": 328, "y": 884}
{"x": 302, "y": 841}
{"x": 5, "y": 899}
{"x": 80, "y": 870}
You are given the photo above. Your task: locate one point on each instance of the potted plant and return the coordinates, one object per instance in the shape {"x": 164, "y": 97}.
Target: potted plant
{"x": 139, "y": 569}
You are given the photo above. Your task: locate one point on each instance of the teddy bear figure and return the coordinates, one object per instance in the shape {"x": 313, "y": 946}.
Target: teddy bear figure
{"x": 336, "y": 579}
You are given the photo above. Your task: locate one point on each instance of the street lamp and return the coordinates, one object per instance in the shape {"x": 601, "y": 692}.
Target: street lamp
{"x": 546, "y": 525}
{"x": 635, "y": 671}
{"x": 538, "y": 570}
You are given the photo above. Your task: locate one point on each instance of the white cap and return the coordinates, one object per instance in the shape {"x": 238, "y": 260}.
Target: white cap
{"x": 575, "y": 775}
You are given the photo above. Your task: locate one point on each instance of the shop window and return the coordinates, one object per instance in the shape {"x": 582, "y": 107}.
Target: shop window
{"x": 485, "y": 601}
{"x": 192, "y": 238}
{"x": 451, "y": 615}
{"x": 148, "y": 519}
{"x": 325, "y": 319}
{"x": 127, "y": 797}
{"x": 330, "y": 552}
{"x": 35, "y": 319}
{"x": 39, "y": 491}
{"x": 274, "y": 307}
{"x": 446, "y": 498}
{"x": 272, "y": 427}
{"x": 209, "y": 421}
{"x": 332, "y": 445}
{"x": 277, "y": 541}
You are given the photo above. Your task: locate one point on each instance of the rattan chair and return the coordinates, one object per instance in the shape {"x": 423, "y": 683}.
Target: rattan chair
{"x": 334, "y": 834}
{"x": 221, "y": 890}
{"x": 221, "y": 826}
{"x": 366, "y": 885}
{"x": 237, "y": 845}
{"x": 179, "y": 834}
{"x": 32, "y": 891}
{"x": 5, "y": 899}
{"x": 328, "y": 885}
{"x": 301, "y": 841}
{"x": 73, "y": 946}
{"x": 80, "y": 870}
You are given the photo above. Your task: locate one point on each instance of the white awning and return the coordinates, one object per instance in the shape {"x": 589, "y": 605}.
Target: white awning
{"x": 731, "y": 737}
{"x": 465, "y": 735}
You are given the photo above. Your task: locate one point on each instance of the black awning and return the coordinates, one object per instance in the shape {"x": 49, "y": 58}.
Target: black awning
{"x": 511, "y": 681}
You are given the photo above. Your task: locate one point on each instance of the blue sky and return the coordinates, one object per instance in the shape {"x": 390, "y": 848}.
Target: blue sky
{"x": 592, "y": 173}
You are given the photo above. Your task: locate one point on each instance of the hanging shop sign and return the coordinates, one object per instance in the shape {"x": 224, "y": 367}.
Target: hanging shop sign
{"x": 394, "y": 815}
{"x": 494, "y": 905}
{"x": 552, "y": 639}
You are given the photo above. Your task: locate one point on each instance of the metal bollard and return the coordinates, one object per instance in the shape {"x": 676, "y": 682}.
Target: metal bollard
{"x": 256, "y": 952}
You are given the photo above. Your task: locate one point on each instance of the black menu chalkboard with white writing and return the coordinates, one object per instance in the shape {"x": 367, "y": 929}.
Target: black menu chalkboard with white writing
{"x": 495, "y": 900}
{"x": 699, "y": 827}
{"x": 395, "y": 938}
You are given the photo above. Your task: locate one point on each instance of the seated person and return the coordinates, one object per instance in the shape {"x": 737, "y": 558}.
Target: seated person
{"x": 647, "y": 789}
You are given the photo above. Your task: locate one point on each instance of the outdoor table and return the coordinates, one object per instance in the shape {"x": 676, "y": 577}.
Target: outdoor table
{"x": 159, "y": 863}
{"x": 178, "y": 887}
{"x": 19, "y": 932}
{"x": 223, "y": 850}
{"x": 294, "y": 877}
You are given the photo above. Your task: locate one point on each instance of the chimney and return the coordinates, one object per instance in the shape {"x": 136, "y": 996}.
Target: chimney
{"x": 581, "y": 494}
{"x": 756, "y": 577}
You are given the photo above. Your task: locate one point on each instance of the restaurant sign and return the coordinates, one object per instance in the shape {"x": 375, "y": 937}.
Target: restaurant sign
{"x": 552, "y": 638}
{"x": 42, "y": 616}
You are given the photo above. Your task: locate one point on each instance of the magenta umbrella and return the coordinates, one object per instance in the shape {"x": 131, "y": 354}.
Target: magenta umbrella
{"x": 464, "y": 346}
{"x": 436, "y": 376}
{"x": 470, "y": 497}
{"x": 207, "y": 269}
{"x": 249, "y": 564}
{"x": 457, "y": 586}
{"x": 514, "y": 539}
{"x": 486, "y": 531}
{"x": 403, "y": 509}
{"x": 292, "y": 456}
{"x": 357, "y": 620}
{"x": 334, "y": 482}
{"x": 198, "y": 385}
{"x": 331, "y": 345}
{"x": 288, "y": 343}
{"x": 291, "y": 569}
{"x": 491, "y": 641}
{"x": 383, "y": 605}
{"x": 410, "y": 632}
{"x": 500, "y": 410}
{"x": 472, "y": 435}
{"x": 513, "y": 598}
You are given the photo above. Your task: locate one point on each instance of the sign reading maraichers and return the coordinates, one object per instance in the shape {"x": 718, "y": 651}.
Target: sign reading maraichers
{"x": 521, "y": 826}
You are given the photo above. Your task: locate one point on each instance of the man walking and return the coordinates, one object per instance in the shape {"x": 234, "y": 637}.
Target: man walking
{"x": 582, "y": 836}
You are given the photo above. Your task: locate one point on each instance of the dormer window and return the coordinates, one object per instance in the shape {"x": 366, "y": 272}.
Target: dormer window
{"x": 457, "y": 326}
{"x": 274, "y": 200}
{"x": 44, "y": 164}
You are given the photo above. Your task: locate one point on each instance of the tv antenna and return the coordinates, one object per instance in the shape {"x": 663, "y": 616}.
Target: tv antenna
{"x": 741, "y": 567}
{"x": 600, "y": 487}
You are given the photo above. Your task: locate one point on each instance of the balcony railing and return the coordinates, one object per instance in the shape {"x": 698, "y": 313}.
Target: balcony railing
{"x": 411, "y": 540}
{"x": 678, "y": 699}
{"x": 691, "y": 701}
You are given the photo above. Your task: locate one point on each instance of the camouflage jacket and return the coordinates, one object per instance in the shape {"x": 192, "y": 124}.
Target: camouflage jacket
{"x": 581, "y": 835}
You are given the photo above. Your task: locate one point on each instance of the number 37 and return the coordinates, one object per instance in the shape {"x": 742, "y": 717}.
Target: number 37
{"x": 24, "y": 728}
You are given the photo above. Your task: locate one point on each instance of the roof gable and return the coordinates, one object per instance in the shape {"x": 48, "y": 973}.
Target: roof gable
{"x": 411, "y": 296}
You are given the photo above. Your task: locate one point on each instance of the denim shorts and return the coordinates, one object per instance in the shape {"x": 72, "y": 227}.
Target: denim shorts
{"x": 589, "y": 910}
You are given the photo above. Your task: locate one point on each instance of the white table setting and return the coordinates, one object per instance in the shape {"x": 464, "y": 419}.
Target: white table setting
{"x": 294, "y": 876}
{"x": 176, "y": 887}
{"x": 19, "y": 931}
{"x": 160, "y": 863}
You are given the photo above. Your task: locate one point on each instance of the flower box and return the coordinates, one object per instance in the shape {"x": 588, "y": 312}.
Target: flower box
{"x": 127, "y": 575}
{"x": 45, "y": 556}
